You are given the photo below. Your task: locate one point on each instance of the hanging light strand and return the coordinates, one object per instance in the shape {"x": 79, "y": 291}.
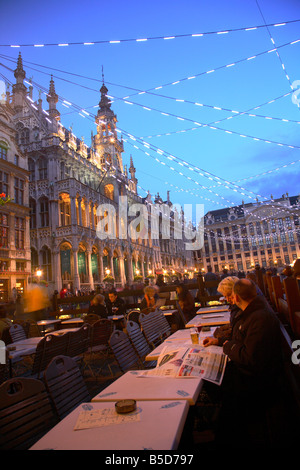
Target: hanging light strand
{"x": 145, "y": 39}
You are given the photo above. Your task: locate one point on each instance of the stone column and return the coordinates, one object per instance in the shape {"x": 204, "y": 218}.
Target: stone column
{"x": 79, "y": 199}
{"x": 90, "y": 274}
{"x": 57, "y": 271}
{"x": 122, "y": 270}
{"x": 76, "y": 274}
{"x": 100, "y": 261}
{"x": 130, "y": 270}
{"x": 73, "y": 210}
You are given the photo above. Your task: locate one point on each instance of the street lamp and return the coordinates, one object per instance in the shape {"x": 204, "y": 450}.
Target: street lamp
{"x": 39, "y": 273}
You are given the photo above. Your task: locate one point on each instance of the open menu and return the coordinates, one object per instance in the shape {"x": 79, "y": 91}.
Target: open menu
{"x": 177, "y": 361}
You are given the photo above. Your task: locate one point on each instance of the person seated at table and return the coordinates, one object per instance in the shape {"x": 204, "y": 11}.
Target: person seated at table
{"x": 149, "y": 300}
{"x": 98, "y": 306}
{"x": 222, "y": 333}
{"x": 5, "y": 323}
{"x": 253, "y": 376}
{"x": 186, "y": 301}
{"x": 115, "y": 305}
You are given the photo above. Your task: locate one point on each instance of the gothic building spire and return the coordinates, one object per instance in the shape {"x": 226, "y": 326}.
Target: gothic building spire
{"x": 19, "y": 89}
{"x": 52, "y": 99}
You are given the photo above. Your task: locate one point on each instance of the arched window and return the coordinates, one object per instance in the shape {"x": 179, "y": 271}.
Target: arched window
{"x": 64, "y": 209}
{"x": 46, "y": 263}
{"x": 32, "y": 205}
{"x": 34, "y": 260}
{"x": 109, "y": 191}
{"x": 24, "y": 136}
{"x": 42, "y": 164}
{"x": 31, "y": 168}
{"x": 44, "y": 212}
{"x": 3, "y": 151}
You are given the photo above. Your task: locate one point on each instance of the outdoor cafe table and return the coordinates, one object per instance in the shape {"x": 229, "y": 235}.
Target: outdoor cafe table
{"x": 19, "y": 349}
{"x": 179, "y": 338}
{"x": 44, "y": 323}
{"x": 168, "y": 312}
{"x": 217, "y": 308}
{"x": 72, "y": 321}
{"x": 137, "y": 430}
{"x": 210, "y": 319}
{"x": 132, "y": 386}
{"x": 24, "y": 347}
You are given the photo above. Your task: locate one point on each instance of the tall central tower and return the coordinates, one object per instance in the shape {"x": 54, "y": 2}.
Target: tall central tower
{"x": 106, "y": 143}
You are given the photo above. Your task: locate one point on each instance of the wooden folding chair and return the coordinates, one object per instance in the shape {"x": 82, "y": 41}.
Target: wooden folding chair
{"x": 78, "y": 341}
{"x": 162, "y": 324}
{"x": 123, "y": 351}
{"x": 65, "y": 385}
{"x": 290, "y": 285}
{"x": 139, "y": 343}
{"x": 97, "y": 355}
{"x": 26, "y": 413}
{"x": 91, "y": 318}
{"x": 17, "y": 332}
{"x": 133, "y": 315}
{"x": 48, "y": 347}
{"x": 150, "y": 329}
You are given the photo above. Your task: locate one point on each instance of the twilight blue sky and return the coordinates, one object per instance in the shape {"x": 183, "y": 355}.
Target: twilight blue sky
{"x": 219, "y": 164}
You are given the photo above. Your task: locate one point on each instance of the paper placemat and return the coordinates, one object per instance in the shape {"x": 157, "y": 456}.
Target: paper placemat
{"x": 104, "y": 417}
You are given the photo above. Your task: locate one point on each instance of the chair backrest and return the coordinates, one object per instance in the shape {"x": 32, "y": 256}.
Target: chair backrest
{"x": 290, "y": 285}
{"x": 65, "y": 385}
{"x": 270, "y": 292}
{"x": 123, "y": 351}
{"x": 48, "y": 347}
{"x": 33, "y": 329}
{"x": 133, "y": 315}
{"x": 278, "y": 290}
{"x": 162, "y": 323}
{"x": 150, "y": 328}
{"x": 17, "y": 332}
{"x": 138, "y": 339}
{"x": 91, "y": 318}
{"x": 78, "y": 341}
{"x": 181, "y": 314}
{"x": 100, "y": 332}
{"x": 26, "y": 413}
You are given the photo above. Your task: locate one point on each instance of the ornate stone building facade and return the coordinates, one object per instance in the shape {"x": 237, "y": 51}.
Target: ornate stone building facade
{"x": 70, "y": 185}
{"x": 15, "y": 266}
{"x": 264, "y": 233}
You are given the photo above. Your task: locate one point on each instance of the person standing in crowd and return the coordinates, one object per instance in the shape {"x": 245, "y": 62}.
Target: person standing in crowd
{"x": 210, "y": 276}
{"x": 36, "y": 302}
{"x": 5, "y": 323}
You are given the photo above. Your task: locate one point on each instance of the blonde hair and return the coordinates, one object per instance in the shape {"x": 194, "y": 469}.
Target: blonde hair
{"x": 98, "y": 299}
{"x": 149, "y": 290}
{"x": 226, "y": 285}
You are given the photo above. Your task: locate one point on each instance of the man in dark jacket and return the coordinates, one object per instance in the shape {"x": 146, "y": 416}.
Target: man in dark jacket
{"x": 254, "y": 370}
{"x": 115, "y": 304}
{"x": 254, "y": 347}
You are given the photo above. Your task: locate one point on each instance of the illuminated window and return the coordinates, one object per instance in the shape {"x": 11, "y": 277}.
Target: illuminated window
{"x": 109, "y": 191}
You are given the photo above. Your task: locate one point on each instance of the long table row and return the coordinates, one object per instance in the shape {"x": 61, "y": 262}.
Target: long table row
{"x": 157, "y": 422}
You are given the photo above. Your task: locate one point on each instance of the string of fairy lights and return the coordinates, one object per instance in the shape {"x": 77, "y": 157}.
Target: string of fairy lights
{"x": 184, "y": 164}
{"x": 224, "y": 238}
{"x": 161, "y": 152}
{"x": 144, "y": 39}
